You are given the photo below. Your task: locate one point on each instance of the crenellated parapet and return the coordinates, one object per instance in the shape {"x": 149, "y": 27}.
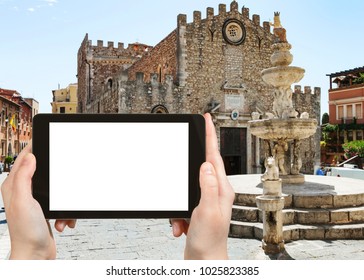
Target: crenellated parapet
{"x": 112, "y": 50}
{"x": 307, "y": 90}
{"x": 182, "y": 19}
{"x": 308, "y": 100}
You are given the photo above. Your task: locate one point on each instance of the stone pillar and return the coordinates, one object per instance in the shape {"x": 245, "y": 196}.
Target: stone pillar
{"x": 271, "y": 204}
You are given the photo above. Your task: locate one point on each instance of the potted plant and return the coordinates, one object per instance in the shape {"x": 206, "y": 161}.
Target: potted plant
{"x": 354, "y": 148}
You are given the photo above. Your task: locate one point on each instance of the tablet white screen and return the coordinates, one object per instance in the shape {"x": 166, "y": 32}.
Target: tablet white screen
{"x": 118, "y": 166}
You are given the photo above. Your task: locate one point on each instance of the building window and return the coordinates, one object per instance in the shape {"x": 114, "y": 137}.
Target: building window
{"x": 159, "y": 109}
{"x": 350, "y": 135}
{"x": 2, "y": 148}
{"x": 342, "y": 136}
{"x": 359, "y": 135}
{"x": 358, "y": 111}
{"x": 109, "y": 83}
{"x": 349, "y": 111}
{"x": 159, "y": 73}
{"x": 340, "y": 112}
{"x": 62, "y": 110}
{"x": 3, "y": 118}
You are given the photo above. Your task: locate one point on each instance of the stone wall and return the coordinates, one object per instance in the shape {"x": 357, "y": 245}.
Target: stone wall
{"x": 83, "y": 76}
{"x": 195, "y": 69}
{"x": 215, "y": 69}
{"x": 309, "y": 101}
{"x": 99, "y": 65}
{"x": 161, "y": 60}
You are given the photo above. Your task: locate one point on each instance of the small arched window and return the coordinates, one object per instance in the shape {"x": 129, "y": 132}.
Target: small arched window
{"x": 109, "y": 83}
{"x": 159, "y": 73}
{"x": 159, "y": 109}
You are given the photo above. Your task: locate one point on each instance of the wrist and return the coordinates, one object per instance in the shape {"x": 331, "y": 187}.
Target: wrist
{"x": 27, "y": 253}
{"x": 206, "y": 255}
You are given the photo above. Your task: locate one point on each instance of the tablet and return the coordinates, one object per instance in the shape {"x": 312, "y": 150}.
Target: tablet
{"x": 117, "y": 165}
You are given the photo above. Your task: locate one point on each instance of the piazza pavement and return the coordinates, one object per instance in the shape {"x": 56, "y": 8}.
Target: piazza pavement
{"x": 152, "y": 239}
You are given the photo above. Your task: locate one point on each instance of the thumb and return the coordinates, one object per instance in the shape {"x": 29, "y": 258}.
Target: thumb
{"x": 23, "y": 174}
{"x": 209, "y": 185}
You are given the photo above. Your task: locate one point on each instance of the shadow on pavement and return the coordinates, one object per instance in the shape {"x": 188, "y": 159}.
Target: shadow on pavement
{"x": 281, "y": 256}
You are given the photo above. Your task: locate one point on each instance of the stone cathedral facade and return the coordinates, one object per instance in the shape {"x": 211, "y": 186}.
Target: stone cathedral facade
{"x": 210, "y": 64}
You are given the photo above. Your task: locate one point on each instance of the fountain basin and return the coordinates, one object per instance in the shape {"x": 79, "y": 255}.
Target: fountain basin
{"x": 282, "y": 76}
{"x": 290, "y": 129}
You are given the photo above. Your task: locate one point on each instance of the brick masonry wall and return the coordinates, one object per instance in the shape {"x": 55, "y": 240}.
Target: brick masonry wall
{"x": 160, "y": 60}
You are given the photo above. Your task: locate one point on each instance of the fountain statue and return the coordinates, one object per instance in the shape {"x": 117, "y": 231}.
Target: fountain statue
{"x": 282, "y": 129}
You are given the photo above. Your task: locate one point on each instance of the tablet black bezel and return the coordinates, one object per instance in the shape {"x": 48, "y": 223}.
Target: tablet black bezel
{"x": 40, "y": 146}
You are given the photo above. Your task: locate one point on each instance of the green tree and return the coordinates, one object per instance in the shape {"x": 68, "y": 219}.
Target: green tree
{"x": 354, "y": 148}
{"x": 325, "y": 118}
{"x": 360, "y": 79}
{"x": 8, "y": 160}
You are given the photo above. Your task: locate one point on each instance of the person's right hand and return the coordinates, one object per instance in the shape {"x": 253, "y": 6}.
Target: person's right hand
{"x": 208, "y": 229}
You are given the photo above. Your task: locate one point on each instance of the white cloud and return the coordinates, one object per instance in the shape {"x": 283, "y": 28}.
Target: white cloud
{"x": 31, "y": 10}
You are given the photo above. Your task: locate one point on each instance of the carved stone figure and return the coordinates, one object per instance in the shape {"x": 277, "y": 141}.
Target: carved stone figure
{"x": 305, "y": 115}
{"x": 268, "y": 115}
{"x": 255, "y": 116}
{"x": 297, "y": 162}
{"x": 282, "y": 101}
{"x": 278, "y": 29}
{"x": 278, "y": 153}
{"x": 271, "y": 170}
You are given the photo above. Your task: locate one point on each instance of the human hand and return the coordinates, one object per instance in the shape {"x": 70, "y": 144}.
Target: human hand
{"x": 30, "y": 233}
{"x": 208, "y": 229}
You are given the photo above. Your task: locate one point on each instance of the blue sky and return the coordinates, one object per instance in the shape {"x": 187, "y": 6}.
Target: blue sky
{"x": 40, "y": 38}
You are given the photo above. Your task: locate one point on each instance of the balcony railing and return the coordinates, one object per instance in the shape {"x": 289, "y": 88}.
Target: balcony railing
{"x": 344, "y": 87}
{"x": 61, "y": 98}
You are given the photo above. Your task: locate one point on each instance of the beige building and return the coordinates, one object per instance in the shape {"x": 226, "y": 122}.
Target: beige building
{"x": 65, "y": 100}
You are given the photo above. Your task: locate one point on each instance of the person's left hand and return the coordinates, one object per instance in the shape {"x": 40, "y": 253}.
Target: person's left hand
{"x": 30, "y": 233}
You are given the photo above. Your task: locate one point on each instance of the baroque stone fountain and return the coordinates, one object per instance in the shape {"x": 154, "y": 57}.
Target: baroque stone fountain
{"x": 281, "y": 131}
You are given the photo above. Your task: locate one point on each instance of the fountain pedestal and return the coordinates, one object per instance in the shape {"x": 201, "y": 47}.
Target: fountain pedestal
{"x": 271, "y": 204}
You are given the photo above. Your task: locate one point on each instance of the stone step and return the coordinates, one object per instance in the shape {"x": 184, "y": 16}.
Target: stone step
{"x": 299, "y": 231}
{"x": 349, "y": 215}
{"x": 317, "y": 192}
{"x": 307, "y": 201}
